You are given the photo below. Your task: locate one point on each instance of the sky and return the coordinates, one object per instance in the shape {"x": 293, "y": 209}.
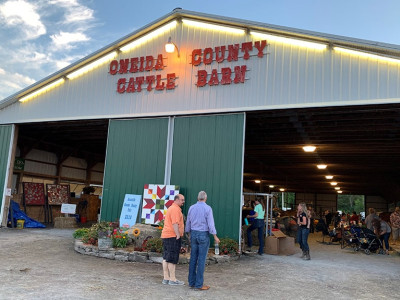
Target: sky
{"x": 40, "y": 37}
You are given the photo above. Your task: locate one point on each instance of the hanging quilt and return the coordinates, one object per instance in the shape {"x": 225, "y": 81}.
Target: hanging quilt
{"x": 57, "y": 194}
{"x": 34, "y": 193}
{"x": 156, "y": 200}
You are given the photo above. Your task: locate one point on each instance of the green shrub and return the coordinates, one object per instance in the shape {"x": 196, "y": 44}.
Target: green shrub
{"x": 79, "y": 233}
{"x": 154, "y": 245}
{"x": 228, "y": 246}
{"x": 91, "y": 237}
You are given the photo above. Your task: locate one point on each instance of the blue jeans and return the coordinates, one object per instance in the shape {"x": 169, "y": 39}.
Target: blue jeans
{"x": 385, "y": 240}
{"x": 259, "y": 224}
{"x": 199, "y": 242}
{"x": 302, "y": 237}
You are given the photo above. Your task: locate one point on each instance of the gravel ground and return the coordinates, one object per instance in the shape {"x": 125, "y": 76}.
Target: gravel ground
{"x": 42, "y": 264}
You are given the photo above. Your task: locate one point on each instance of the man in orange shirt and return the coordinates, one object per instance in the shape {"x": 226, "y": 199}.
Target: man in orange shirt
{"x": 171, "y": 237}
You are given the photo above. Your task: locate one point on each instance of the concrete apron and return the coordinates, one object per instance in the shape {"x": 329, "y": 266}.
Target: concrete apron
{"x": 42, "y": 264}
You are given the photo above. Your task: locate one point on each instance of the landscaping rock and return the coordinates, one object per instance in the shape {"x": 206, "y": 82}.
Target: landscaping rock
{"x": 109, "y": 255}
{"x": 141, "y": 258}
{"x": 155, "y": 257}
{"x": 121, "y": 257}
{"x": 132, "y": 256}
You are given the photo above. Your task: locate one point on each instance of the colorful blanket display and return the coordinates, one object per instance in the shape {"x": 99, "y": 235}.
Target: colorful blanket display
{"x": 58, "y": 194}
{"x": 34, "y": 193}
{"x": 156, "y": 200}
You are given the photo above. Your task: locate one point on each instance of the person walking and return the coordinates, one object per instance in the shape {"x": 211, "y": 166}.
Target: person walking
{"x": 199, "y": 225}
{"x": 171, "y": 237}
{"x": 303, "y": 221}
{"x": 258, "y": 223}
{"x": 368, "y": 220}
{"x": 395, "y": 222}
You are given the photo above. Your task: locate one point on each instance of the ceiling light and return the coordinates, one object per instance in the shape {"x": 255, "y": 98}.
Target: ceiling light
{"x": 333, "y": 183}
{"x": 337, "y": 188}
{"x": 282, "y": 189}
{"x": 366, "y": 55}
{"x": 309, "y": 148}
{"x": 290, "y": 41}
{"x": 204, "y": 25}
{"x": 339, "y": 192}
{"x": 271, "y": 186}
{"x": 329, "y": 177}
{"x": 257, "y": 181}
{"x": 42, "y": 90}
{"x": 149, "y": 36}
{"x": 321, "y": 167}
{"x": 92, "y": 65}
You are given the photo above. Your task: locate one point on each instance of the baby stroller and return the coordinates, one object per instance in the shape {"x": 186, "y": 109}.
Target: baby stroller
{"x": 368, "y": 241}
{"x": 350, "y": 237}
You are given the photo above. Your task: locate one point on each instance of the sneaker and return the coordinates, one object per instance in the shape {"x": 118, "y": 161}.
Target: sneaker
{"x": 165, "y": 281}
{"x": 177, "y": 282}
{"x": 248, "y": 251}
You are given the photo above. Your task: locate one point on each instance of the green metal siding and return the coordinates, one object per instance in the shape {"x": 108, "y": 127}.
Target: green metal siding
{"x": 207, "y": 155}
{"x": 135, "y": 156}
{"x": 5, "y": 139}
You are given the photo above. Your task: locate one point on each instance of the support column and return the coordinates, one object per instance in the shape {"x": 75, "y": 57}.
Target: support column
{"x": 8, "y": 181}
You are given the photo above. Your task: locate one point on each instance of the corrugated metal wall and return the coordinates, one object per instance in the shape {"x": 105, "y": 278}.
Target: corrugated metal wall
{"x": 286, "y": 76}
{"x": 136, "y": 152}
{"x": 5, "y": 139}
{"x": 208, "y": 155}
{"x": 33, "y": 162}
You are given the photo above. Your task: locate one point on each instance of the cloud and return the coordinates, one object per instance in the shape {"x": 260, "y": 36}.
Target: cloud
{"x": 23, "y": 16}
{"x": 11, "y": 82}
{"x": 74, "y": 12}
{"x": 63, "y": 40}
{"x": 40, "y": 38}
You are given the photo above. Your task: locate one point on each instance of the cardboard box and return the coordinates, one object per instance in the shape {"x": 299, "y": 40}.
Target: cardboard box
{"x": 271, "y": 245}
{"x": 279, "y": 246}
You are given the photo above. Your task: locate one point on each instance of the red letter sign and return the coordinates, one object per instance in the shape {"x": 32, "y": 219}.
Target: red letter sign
{"x": 201, "y": 78}
{"x": 121, "y": 85}
{"x": 196, "y": 57}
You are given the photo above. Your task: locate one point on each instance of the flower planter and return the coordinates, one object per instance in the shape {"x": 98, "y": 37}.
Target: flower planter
{"x": 105, "y": 243}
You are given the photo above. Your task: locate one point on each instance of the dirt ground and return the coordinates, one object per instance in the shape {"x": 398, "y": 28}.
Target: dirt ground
{"x": 42, "y": 264}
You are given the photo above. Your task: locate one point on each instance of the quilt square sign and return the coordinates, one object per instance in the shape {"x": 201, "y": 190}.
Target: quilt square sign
{"x": 156, "y": 200}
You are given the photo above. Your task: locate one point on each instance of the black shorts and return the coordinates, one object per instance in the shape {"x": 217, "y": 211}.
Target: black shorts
{"x": 172, "y": 248}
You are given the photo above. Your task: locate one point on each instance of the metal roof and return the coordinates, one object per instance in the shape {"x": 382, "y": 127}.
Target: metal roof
{"x": 359, "y": 44}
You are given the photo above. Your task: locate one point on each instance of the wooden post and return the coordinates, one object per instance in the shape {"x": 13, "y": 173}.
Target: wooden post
{"x": 7, "y": 199}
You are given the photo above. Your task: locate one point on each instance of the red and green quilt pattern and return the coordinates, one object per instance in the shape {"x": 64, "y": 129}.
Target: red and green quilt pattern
{"x": 34, "y": 193}
{"x": 156, "y": 200}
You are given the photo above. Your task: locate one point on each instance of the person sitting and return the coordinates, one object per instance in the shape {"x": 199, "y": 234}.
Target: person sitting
{"x": 328, "y": 218}
{"x": 383, "y": 230}
{"x": 354, "y": 218}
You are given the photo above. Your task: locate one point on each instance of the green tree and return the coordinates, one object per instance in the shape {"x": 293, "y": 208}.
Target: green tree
{"x": 350, "y": 203}
{"x": 289, "y": 199}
